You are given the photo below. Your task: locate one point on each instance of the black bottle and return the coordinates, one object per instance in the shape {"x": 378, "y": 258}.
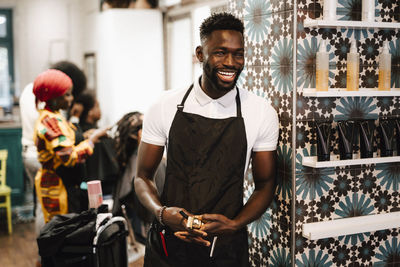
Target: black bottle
{"x": 398, "y": 137}
{"x": 386, "y": 138}
{"x": 323, "y": 140}
{"x": 366, "y": 138}
{"x": 346, "y": 133}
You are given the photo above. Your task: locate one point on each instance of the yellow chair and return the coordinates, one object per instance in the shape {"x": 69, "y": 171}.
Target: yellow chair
{"x": 5, "y": 190}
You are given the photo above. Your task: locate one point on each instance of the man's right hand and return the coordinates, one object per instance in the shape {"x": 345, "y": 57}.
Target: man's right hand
{"x": 88, "y": 133}
{"x": 174, "y": 220}
{"x": 97, "y": 134}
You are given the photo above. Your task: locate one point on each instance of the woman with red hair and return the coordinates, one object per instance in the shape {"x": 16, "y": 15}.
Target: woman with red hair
{"x": 58, "y": 180}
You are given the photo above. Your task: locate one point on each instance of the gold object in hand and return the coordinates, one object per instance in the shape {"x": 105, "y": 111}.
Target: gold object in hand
{"x": 194, "y": 222}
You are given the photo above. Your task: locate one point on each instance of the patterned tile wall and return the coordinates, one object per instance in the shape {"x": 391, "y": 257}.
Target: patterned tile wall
{"x": 269, "y": 73}
{"x": 332, "y": 193}
{"x": 328, "y": 193}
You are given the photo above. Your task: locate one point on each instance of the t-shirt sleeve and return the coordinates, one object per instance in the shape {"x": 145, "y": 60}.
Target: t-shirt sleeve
{"x": 267, "y": 137}
{"x": 153, "y": 125}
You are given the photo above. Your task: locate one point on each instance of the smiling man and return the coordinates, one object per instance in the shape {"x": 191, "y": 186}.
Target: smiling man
{"x": 211, "y": 130}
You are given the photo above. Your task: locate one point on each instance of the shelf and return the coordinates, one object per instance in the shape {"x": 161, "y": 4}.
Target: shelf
{"x": 335, "y": 162}
{"x": 350, "y": 24}
{"x": 352, "y": 225}
{"x": 342, "y": 92}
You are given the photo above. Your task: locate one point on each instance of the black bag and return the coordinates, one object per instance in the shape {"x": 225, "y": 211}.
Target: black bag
{"x": 55, "y": 232}
{"x": 72, "y": 240}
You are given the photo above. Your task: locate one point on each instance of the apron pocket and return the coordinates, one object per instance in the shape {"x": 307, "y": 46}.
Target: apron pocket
{"x": 155, "y": 254}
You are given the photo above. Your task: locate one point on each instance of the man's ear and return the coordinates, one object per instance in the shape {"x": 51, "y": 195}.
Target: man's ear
{"x": 199, "y": 53}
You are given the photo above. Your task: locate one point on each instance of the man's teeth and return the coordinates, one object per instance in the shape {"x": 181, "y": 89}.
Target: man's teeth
{"x": 225, "y": 73}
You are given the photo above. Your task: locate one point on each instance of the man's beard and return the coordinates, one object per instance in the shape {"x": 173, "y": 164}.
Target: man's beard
{"x": 211, "y": 75}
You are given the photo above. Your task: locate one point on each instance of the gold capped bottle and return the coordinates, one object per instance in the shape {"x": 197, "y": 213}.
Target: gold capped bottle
{"x": 353, "y": 67}
{"x": 322, "y": 68}
{"x": 385, "y": 68}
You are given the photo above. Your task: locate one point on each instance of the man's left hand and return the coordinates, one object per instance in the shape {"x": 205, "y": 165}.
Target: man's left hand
{"x": 216, "y": 224}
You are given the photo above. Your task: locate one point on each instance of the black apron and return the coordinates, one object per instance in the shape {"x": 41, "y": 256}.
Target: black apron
{"x": 205, "y": 170}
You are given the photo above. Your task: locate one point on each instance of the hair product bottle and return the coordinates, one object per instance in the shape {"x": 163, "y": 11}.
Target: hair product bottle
{"x": 386, "y": 132}
{"x": 367, "y": 129}
{"x": 330, "y": 10}
{"x": 397, "y": 122}
{"x": 353, "y": 67}
{"x": 323, "y": 140}
{"x": 368, "y": 10}
{"x": 322, "y": 68}
{"x": 346, "y": 137}
{"x": 385, "y": 60}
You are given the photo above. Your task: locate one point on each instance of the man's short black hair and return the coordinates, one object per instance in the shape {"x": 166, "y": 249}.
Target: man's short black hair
{"x": 88, "y": 100}
{"x": 76, "y": 74}
{"x": 220, "y": 21}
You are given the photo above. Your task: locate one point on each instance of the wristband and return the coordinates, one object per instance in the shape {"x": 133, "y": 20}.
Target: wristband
{"x": 91, "y": 143}
{"x": 160, "y": 215}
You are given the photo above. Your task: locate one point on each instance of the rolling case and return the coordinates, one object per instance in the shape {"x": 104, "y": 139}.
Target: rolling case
{"x": 86, "y": 239}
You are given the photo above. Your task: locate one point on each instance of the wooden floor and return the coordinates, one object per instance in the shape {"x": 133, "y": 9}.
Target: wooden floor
{"x": 20, "y": 249}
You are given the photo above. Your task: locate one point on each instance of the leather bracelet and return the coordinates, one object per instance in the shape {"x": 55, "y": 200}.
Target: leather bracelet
{"x": 160, "y": 215}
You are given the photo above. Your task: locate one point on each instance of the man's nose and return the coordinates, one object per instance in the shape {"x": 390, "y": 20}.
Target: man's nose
{"x": 229, "y": 60}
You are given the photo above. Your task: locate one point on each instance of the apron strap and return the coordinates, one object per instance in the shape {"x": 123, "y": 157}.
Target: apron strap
{"x": 181, "y": 105}
{"x": 238, "y": 105}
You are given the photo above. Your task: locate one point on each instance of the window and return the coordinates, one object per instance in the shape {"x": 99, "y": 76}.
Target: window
{"x": 6, "y": 60}
{"x": 179, "y": 51}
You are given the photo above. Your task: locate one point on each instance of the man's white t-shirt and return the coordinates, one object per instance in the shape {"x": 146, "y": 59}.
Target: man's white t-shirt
{"x": 260, "y": 118}
{"x": 29, "y": 115}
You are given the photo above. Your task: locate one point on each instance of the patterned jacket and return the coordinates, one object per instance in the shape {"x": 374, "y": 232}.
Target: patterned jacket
{"x": 55, "y": 142}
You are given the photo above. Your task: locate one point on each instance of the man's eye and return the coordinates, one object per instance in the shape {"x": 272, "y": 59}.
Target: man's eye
{"x": 219, "y": 53}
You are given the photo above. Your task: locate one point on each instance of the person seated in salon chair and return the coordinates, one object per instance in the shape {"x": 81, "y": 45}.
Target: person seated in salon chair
{"x": 127, "y": 139}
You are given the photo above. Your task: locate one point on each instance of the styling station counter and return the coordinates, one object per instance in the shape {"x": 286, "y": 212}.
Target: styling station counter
{"x": 10, "y": 139}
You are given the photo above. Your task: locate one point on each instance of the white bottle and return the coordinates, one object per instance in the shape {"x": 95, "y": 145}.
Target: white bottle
{"x": 353, "y": 67}
{"x": 368, "y": 10}
{"x": 330, "y": 10}
{"x": 322, "y": 68}
{"x": 385, "y": 68}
